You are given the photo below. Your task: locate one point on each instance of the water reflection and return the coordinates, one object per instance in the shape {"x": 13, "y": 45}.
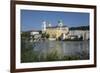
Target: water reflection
{"x": 69, "y": 48}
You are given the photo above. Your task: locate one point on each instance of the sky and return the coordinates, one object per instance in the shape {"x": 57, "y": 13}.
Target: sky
{"x": 33, "y": 19}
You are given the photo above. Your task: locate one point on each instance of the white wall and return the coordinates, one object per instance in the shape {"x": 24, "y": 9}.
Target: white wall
{"x": 5, "y": 36}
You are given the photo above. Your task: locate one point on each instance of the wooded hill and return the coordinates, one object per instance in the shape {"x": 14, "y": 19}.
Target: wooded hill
{"x": 79, "y": 28}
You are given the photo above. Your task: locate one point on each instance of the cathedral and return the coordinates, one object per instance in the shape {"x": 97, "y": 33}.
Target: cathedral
{"x": 55, "y": 32}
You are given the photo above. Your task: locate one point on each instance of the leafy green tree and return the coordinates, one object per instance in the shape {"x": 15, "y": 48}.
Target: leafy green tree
{"x": 43, "y": 35}
{"x": 25, "y": 36}
{"x": 47, "y": 36}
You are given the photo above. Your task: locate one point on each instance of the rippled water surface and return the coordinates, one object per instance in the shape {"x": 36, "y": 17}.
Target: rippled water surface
{"x": 69, "y": 48}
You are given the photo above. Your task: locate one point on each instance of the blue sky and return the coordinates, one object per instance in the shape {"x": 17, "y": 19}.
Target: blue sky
{"x": 32, "y": 19}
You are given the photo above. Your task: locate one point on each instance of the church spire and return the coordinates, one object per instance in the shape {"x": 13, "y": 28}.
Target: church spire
{"x": 44, "y": 26}
{"x": 49, "y": 24}
{"x": 60, "y": 23}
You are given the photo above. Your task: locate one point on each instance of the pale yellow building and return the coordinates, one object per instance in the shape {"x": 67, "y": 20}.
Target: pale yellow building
{"x": 56, "y": 31}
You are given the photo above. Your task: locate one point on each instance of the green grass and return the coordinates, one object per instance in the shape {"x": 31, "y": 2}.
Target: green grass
{"x": 31, "y": 56}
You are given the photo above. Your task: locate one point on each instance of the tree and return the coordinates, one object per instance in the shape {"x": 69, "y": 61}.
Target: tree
{"x": 47, "y": 36}
{"x": 25, "y": 36}
{"x": 43, "y": 35}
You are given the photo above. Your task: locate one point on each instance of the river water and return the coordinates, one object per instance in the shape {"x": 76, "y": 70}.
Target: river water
{"x": 69, "y": 48}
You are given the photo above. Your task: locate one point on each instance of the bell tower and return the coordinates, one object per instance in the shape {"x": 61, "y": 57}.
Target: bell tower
{"x": 60, "y": 23}
{"x": 44, "y": 26}
{"x": 49, "y": 24}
